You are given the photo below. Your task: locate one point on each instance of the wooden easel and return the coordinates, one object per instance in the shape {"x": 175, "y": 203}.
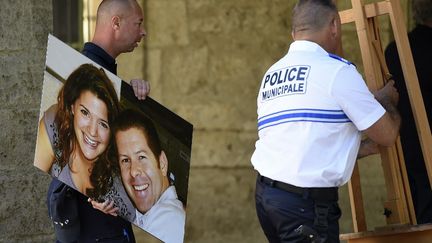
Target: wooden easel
{"x": 401, "y": 219}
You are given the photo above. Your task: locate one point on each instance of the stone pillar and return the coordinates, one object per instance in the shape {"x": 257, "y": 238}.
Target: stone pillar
{"x": 23, "y": 35}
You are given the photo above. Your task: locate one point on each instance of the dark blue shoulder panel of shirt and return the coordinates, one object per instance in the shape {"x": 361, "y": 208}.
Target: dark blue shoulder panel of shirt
{"x": 340, "y": 59}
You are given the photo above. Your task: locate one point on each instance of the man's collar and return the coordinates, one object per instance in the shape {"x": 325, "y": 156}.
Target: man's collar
{"x": 305, "y": 45}
{"x": 99, "y": 51}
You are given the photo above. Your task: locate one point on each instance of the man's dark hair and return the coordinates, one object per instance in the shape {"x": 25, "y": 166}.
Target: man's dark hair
{"x": 422, "y": 11}
{"x": 312, "y": 15}
{"x": 131, "y": 118}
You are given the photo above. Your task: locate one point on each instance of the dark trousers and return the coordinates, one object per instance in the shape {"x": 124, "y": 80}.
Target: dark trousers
{"x": 281, "y": 212}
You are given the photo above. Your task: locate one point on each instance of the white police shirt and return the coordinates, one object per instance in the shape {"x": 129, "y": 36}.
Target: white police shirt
{"x": 312, "y": 106}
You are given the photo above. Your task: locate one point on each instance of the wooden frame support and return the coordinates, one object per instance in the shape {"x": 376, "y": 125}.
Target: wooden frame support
{"x": 399, "y": 201}
{"x": 355, "y": 194}
{"x": 371, "y": 51}
{"x": 413, "y": 87}
{"x": 393, "y": 9}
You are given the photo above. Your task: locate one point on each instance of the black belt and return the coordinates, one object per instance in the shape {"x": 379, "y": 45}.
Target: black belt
{"x": 315, "y": 193}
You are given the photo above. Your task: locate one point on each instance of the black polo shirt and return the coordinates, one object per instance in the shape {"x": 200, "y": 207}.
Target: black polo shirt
{"x": 100, "y": 56}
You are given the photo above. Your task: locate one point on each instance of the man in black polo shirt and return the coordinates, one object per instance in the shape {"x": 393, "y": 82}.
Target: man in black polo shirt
{"x": 118, "y": 30}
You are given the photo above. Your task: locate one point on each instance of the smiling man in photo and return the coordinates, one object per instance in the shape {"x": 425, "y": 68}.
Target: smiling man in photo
{"x": 144, "y": 171}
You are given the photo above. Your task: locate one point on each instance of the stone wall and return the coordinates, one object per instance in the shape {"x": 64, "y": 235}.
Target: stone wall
{"x": 23, "y": 35}
{"x": 205, "y": 60}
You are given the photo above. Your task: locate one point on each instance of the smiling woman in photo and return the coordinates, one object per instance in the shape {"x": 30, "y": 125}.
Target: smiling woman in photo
{"x": 75, "y": 137}
{"x": 74, "y": 134}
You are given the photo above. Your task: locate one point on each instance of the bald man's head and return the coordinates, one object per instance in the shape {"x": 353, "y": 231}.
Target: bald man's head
{"x": 119, "y": 26}
{"x": 109, "y": 8}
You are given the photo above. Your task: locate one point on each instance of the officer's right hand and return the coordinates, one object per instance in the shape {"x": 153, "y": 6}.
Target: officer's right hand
{"x": 388, "y": 93}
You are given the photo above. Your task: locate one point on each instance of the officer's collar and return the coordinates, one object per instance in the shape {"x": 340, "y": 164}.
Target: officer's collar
{"x": 309, "y": 46}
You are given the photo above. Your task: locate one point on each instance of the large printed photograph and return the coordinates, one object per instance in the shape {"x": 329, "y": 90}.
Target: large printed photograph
{"x": 130, "y": 157}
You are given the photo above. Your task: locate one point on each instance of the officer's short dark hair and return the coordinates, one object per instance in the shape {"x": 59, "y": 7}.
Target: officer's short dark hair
{"x": 312, "y": 15}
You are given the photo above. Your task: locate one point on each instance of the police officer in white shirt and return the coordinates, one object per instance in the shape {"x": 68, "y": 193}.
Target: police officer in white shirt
{"x": 313, "y": 107}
